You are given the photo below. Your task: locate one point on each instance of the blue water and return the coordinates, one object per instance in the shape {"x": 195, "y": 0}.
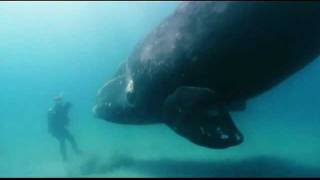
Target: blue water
{"x": 48, "y": 48}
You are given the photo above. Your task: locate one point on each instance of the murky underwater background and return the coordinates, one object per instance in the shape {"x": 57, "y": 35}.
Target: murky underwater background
{"x": 47, "y": 48}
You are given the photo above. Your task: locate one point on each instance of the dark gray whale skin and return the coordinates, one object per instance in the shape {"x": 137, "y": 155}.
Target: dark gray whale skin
{"x": 207, "y": 59}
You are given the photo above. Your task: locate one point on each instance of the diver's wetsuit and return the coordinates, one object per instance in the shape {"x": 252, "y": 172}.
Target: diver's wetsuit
{"x": 57, "y": 121}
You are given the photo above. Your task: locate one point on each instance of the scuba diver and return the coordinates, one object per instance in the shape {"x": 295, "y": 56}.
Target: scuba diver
{"x": 58, "y": 121}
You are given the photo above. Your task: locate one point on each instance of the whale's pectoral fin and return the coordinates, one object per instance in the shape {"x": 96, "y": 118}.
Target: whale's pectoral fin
{"x": 196, "y": 114}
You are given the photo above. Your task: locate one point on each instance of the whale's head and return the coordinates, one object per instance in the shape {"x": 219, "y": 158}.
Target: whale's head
{"x": 114, "y": 101}
{"x": 110, "y": 98}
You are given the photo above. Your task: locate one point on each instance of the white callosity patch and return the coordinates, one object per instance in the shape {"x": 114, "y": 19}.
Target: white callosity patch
{"x": 130, "y": 86}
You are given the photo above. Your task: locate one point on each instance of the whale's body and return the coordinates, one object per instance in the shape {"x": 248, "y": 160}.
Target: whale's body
{"x": 209, "y": 58}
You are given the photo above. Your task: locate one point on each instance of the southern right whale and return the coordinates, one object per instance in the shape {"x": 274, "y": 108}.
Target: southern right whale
{"x": 207, "y": 59}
